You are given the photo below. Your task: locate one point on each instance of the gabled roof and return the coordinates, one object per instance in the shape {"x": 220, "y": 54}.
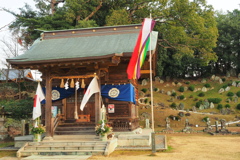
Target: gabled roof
{"x": 15, "y": 74}
{"x": 82, "y": 44}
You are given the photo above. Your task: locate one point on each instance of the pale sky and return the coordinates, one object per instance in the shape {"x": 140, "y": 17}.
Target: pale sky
{"x": 6, "y": 18}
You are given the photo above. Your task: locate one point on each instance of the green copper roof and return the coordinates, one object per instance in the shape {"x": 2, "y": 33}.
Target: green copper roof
{"x": 80, "y": 47}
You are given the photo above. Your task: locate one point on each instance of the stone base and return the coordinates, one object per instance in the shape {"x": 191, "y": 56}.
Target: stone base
{"x": 21, "y": 140}
{"x": 134, "y": 140}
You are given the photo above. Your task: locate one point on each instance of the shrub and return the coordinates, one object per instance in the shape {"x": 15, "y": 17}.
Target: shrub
{"x": 227, "y": 106}
{"x": 214, "y": 100}
{"x": 191, "y": 96}
{"x": 173, "y": 105}
{"x": 191, "y": 88}
{"x": 146, "y": 101}
{"x": 19, "y": 109}
{"x": 225, "y": 86}
{"x": 220, "y": 106}
{"x": 144, "y": 90}
{"x": 198, "y": 104}
{"x": 238, "y": 106}
{"x": 173, "y": 94}
{"x": 223, "y": 79}
{"x": 205, "y": 119}
{"x": 181, "y": 89}
{"x": 182, "y": 97}
{"x": 238, "y": 93}
{"x": 187, "y": 82}
{"x": 201, "y": 94}
{"x": 230, "y": 94}
{"x": 207, "y": 85}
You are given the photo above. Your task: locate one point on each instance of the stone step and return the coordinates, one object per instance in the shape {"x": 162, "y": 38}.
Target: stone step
{"x": 56, "y": 157}
{"x": 67, "y": 143}
{"x": 64, "y": 128}
{"x": 83, "y": 147}
{"x": 61, "y": 152}
{"x": 89, "y": 132}
{"x": 76, "y": 137}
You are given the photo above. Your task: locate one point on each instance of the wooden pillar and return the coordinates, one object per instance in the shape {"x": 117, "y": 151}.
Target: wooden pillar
{"x": 48, "y": 107}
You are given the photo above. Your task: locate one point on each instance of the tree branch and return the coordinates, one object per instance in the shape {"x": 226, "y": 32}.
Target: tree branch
{"x": 97, "y": 8}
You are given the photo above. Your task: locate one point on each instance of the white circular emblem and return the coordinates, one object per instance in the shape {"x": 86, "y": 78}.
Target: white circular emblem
{"x": 55, "y": 95}
{"x": 114, "y": 92}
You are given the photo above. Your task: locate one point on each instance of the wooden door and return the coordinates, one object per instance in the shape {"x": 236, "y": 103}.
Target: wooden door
{"x": 89, "y": 109}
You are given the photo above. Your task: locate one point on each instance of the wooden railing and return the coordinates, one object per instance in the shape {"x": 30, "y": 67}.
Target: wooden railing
{"x": 55, "y": 122}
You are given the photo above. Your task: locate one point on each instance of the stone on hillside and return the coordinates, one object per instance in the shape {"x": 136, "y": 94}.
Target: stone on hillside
{"x": 238, "y": 85}
{"x": 169, "y": 93}
{"x": 185, "y": 88}
{"x": 221, "y": 90}
{"x": 167, "y": 85}
{"x": 233, "y": 72}
{"x": 141, "y": 94}
{"x": 228, "y": 74}
{"x": 213, "y": 77}
{"x": 157, "y": 79}
{"x": 235, "y": 98}
{"x": 220, "y": 81}
{"x": 203, "y": 81}
{"x": 179, "y": 84}
{"x": 206, "y": 104}
{"x": 227, "y": 89}
{"x": 181, "y": 106}
{"x": 167, "y": 78}
{"x": 199, "y": 89}
{"x": 194, "y": 109}
{"x": 162, "y": 91}
{"x": 234, "y": 84}
{"x": 204, "y": 89}
{"x": 173, "y": 84}
{"x": 195, "y": 90}
{"x": 211, "y": 105}
{"x": 217, "y": 78}
{"x": 238, "y": 75}
{"x": 201, "y": 107}
{"x": 144, "y": 82}
{"x": 161, "y": 81}
{"x": 181, "y": 114}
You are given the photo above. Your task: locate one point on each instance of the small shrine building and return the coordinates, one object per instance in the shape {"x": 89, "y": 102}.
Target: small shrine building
{"x": 78, "y": 55}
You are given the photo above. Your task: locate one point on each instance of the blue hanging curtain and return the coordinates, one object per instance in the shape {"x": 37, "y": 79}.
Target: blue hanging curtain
{"x": 59, "y": 93}
{"x": 123, "y": 92}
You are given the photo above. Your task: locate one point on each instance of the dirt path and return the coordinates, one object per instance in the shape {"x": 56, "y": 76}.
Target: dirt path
{"x": 187, "y": 147}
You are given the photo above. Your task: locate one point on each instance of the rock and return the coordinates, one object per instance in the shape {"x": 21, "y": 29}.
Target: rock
{"x": 234, "y": 84}
{"x": 144, "y": 82}
{"x": 157, "y": 79}
{"x": 169, "y": 93}
{"x": 220, "y": 81}
{"x": 216, "y": 78}
{"x": 203, "y": 81}
{"x": 211, "y": 105}
{"x": 161, "y": 81}
{"x": 204, "y": 89}
{"x": 221, "y": 90}
{"x": 227, "y": 89}
{"x": 213, "y": 77}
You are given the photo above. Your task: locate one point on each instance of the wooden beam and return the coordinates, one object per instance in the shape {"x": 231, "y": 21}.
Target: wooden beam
{"x": 70, "y": 77}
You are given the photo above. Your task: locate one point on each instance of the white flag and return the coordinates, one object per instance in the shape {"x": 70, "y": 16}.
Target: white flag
{"x": 92, "y": 88}
{"x": 37, "y": 102}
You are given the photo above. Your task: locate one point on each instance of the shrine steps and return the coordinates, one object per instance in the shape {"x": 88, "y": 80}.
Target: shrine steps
{"x": 75, "y": 129}
{"x": 53, "y": 148}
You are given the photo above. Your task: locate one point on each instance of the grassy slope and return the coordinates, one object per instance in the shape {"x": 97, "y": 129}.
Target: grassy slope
{"x": 160, "y": 114}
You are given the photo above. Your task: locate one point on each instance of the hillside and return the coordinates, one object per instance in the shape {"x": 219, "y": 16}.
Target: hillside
{"x": 164, "y": 100}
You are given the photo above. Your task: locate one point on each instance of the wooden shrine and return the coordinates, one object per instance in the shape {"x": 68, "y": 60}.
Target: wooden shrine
{"x": 79, "y": 55}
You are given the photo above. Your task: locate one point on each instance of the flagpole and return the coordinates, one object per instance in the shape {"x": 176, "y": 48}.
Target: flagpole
{"x": 151, "y": 90}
